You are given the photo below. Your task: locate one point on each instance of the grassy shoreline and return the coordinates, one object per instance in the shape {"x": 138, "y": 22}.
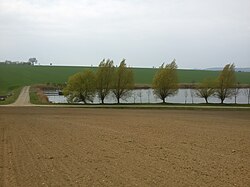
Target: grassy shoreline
{"x": 37, "y": 96}
{"x": 13, "y": 97}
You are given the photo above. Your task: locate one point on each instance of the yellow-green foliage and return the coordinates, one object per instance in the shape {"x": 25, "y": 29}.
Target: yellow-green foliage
{"x": 104, "y": 78}
{"x": 81, "y": 87}
{"x": 165, "y": 82}
{"x": 225, "y": 82}
{"x": 123, "y": 81}
{"x": 206, "y": 88}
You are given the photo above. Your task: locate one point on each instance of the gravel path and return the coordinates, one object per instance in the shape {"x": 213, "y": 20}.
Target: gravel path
{"x": 23, "y": 99}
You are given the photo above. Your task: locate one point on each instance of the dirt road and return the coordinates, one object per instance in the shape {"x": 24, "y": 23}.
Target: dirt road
{"x": 23, "y": 99}
{"x": 108, "y": 147}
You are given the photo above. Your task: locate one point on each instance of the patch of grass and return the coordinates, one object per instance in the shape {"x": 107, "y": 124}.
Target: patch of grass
{"x": 37, "y": 96}
{"x": 13, "y": 76}
{"x": 21, "y": 75}
{"x": 13, "y": 95}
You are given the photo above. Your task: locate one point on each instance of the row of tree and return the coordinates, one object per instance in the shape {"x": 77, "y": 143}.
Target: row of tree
{"x": 165, "y": 83}
{"x": 83, "y": 86}
{"x": 31, "y": 61}
{"x": 223, "y": 87}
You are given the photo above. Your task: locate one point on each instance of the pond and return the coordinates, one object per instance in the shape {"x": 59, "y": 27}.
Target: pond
{"x": 147, "y": 96}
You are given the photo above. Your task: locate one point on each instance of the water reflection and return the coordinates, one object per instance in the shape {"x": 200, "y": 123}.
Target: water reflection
{"x": 146, "y": 96}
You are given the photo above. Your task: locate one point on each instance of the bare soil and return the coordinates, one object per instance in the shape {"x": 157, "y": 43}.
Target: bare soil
{"x": 42, "y": 146}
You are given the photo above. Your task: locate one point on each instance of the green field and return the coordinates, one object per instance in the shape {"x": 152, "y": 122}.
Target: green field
{"x": 14, "y": 76}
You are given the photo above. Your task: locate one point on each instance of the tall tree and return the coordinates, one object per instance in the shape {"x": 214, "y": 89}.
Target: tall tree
{"x": 32, "y": 61}
{"x": 81, "y": 87}
{"x": 165, "y": 82}
{"x": 104, "y": 78}
{"x": 206, "y": 89}
{"x": 225, "y": 83}
{"x": 123, "y": 81}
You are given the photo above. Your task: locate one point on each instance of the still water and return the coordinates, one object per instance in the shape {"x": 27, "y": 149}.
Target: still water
{"x": 147, "y": 96}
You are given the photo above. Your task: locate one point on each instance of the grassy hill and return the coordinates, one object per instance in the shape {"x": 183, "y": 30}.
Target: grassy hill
{"x": 13, "y": 76}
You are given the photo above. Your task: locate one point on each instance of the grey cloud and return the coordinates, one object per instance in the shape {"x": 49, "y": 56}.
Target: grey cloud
{"x": 196, "y": 33}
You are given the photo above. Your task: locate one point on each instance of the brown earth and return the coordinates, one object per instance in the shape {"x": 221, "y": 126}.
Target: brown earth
{"x": 124, "y": 147}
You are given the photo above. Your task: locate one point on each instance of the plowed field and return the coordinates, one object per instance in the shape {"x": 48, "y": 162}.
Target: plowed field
{"x": 42, "y": 146}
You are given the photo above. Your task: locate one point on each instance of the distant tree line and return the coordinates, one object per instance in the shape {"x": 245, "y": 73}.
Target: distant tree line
{"x": 31, "y": 61}
{"x": 84, "y": 86}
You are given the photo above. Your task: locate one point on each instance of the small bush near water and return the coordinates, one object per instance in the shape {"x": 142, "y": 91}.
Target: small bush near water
{"x": 37, "y": 96}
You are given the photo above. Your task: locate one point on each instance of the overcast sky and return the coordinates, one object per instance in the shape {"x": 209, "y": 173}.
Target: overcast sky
{"x": 197, "y": 33}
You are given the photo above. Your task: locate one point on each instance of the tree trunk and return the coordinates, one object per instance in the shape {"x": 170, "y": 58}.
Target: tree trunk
{"x": 83, "y": 99}
{"x": 222, "y": 100}
{"x": 163, "y": 99}
{"x": 206, "y": 100}
{"x": 118, "y": 100}
{"x": 102, "y": 99}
